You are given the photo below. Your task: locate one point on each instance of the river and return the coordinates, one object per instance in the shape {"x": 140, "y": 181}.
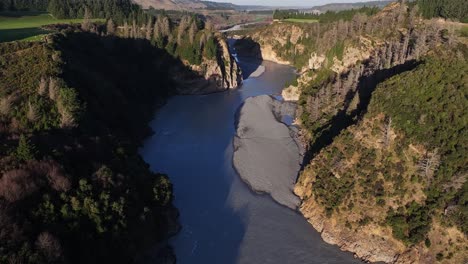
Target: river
{"x": 222, "y": 220}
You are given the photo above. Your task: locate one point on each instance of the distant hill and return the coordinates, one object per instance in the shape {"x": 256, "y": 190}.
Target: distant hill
{"x": 194, "y": 4}
{"x": 198, "y": 4}
{"x": 347, "y": 6}
{"x": 185, "y": 5}
{"x": 172, "y": 4}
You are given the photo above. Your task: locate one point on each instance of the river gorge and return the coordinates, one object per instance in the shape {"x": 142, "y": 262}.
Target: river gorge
{"x": 223, "y": 220}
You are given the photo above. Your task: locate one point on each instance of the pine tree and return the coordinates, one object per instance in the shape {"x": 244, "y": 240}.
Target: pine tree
{"x": 192, "y": 32}
{"x": 110, "y": 27}
{"x": 25, "y": 150}
{"x": 86, "y": 25}
{"x": 149, "y": 29}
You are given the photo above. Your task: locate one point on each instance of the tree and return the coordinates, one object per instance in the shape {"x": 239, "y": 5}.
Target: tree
{"x": 149, "y": 29}
{"x": 184, "y": 23}
{"x": 5, "y": 105}
{"x": 166, "y": 26}
{"x": 25, "y": 150}
{"x": 211, "y": 48}
{"x": 126, "y": 30}
{"x": 50, "y": 245}
{"x": 429, "y": 165}
{"x": 192, "y": 32}
{"x": 387, "y": 132}
{"x": 53, "y": 88}
{"x": 42, "y": 89}
{"x": 110, "y": 27}
{"x": 86, "y": 25}
{"x": 32, "y": 112}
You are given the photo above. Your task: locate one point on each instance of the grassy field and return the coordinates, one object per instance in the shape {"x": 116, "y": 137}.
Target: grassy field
{"x": 297, "y": 20}
{"x": 26, "y": 26}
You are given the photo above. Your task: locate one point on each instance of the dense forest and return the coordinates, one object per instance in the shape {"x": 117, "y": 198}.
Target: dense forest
{"x": 448, "y": 9}
{"x": 188, "y": 38}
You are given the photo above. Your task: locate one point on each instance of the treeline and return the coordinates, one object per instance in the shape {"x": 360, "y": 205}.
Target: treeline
{"x": 191, "y": 39}
{"x": 118, "y": 10}
{"x": 326, "y": 17}
{"x": 23, "y": 5}
{"x": 448, "y": 9}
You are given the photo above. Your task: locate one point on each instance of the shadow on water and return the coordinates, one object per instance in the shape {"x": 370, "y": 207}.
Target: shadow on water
{"x": 343, "y": 119}
{"x": 249, "y": 56}
{"x": 190, "y": 142}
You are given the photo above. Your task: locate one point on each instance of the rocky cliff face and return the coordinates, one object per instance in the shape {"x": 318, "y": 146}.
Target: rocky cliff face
{"x": 265, "y": 44}
{"x": 213, "y": 75}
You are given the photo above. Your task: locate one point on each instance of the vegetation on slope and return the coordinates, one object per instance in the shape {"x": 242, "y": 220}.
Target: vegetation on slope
{"x": 327, "y": 17}
{"x": 448, "y": 9}
{"x": 387, "y": 166}
{"x": 404, "y": 165}
{"x": 73, "y": 187}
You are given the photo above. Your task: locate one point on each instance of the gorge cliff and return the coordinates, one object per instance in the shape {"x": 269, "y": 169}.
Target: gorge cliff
{"x": 383, "y": 175}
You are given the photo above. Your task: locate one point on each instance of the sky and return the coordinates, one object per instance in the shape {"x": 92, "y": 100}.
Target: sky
{"x": 288, "y": 2}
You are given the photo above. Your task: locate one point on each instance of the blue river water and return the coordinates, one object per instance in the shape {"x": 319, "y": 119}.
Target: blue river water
{"x": 222, "y": 220}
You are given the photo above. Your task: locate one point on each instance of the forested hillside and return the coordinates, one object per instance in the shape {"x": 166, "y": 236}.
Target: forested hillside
{"x": 73, "y": 187}
{"x": 448, "y": 9}
{"x": 382, "y": 101}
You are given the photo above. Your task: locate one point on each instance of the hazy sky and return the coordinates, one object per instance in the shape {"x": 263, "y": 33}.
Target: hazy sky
{"x": 288, "y": 2}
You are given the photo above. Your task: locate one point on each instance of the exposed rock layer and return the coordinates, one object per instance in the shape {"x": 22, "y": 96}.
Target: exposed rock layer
{"x": 213, "y": 75}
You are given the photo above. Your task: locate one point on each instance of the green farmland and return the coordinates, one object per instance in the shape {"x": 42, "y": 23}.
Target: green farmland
{"x": 300, "y": 20}
{"x": 26, "y": 26}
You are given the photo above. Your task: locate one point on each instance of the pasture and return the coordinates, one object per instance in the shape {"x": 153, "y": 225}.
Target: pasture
{"x": 26, "y": 26}
{"x": 300, "y": 20}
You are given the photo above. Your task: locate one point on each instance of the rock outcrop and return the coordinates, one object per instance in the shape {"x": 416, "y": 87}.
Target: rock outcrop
{"x": 213, "y": 75}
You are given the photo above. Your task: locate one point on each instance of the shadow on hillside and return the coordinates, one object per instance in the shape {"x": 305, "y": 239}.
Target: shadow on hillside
{"x": 120, "y": 80}
{"x": 343, "y": 119}
{"x": 7, "y": 35}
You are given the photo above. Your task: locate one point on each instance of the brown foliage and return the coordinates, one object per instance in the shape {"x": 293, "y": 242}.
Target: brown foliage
{"x": 50, "y": 245}
{"x": 53, "y": 172}
{"x": 43, "y": 84}
{"x": 17, "y": 184}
